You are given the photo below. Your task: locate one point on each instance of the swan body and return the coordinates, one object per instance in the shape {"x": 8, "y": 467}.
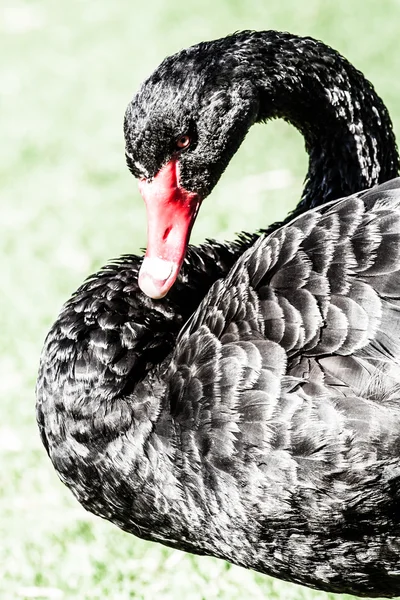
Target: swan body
{"x": 253, "y": 412}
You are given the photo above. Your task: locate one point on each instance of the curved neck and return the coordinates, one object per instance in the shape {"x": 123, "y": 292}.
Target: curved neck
{"x": 347, "y": 129}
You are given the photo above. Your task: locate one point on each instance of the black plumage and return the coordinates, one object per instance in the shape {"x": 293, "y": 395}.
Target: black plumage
{"x": 251, "y": 414}
{"x": 216, "y": 90}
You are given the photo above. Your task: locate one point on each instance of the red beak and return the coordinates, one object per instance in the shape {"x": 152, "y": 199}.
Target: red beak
{"x": 171, "y": 212}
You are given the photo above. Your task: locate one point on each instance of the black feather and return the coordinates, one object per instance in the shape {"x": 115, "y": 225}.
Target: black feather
{"x": 253, "y": 413}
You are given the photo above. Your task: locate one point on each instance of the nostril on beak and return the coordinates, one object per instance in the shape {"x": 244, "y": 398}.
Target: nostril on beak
{"x": 166, "y": 233}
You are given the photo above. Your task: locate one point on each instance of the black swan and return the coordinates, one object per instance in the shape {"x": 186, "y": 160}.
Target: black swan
{"x": 252, "y": 413}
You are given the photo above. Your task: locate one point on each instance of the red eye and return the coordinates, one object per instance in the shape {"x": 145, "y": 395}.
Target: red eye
{"x": 183, "y": 141}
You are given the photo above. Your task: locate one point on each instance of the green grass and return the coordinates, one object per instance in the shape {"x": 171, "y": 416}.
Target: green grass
{"x": 68, "y": 204}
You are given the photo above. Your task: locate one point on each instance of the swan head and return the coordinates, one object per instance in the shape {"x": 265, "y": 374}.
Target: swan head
{"x": 181, "y": 130}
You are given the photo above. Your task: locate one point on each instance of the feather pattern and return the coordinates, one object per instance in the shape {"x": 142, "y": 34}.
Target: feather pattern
{"x": 269, "y": 433}
{"x": 253, "y": 413}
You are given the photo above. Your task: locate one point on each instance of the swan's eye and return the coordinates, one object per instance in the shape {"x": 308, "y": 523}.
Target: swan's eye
{"x": 183, "y": 141}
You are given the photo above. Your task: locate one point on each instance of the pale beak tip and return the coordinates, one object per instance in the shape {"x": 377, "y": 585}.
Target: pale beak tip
{"x": 155, "y": 277}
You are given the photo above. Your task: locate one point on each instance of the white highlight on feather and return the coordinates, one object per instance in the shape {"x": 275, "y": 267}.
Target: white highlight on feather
{"x": 342, "y": 99}
{"x": 137, "y": 164}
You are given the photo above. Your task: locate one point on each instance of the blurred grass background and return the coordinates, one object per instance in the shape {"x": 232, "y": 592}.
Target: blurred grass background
{"x": 68, "y": 204}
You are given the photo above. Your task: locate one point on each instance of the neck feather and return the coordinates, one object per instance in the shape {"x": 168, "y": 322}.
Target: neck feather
{"x": 347, "y": 129}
